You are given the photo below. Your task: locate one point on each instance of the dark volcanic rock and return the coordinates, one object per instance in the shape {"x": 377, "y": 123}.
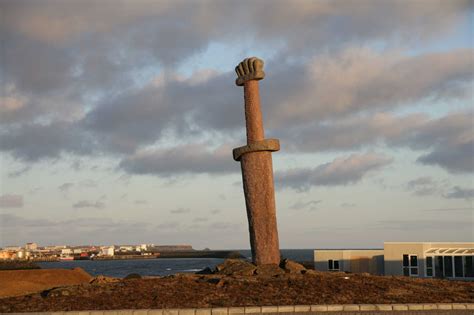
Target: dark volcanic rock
{"x": 269, "y": 270}
{"x": 236, "y": 267}
{"x": 291, "y": 267}
{"x": 205, "y": 271}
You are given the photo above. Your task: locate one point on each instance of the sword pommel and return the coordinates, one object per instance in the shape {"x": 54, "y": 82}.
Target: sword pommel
{"x": 249, "y": 69}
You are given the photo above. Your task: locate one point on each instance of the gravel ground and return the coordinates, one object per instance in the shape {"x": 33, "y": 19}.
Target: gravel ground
{"x": 189, "y": 290}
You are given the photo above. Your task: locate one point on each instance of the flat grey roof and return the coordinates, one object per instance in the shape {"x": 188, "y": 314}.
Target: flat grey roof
{"x": 348, "y": 249}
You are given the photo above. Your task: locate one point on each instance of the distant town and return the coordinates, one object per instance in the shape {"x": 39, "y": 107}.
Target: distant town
{"x": 34, "y": 252}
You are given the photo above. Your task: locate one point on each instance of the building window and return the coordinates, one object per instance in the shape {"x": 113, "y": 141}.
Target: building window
{"x": 333, "y": 265}
{"x": 458, "y": 272}
{"x": 429, "y": 266}
{"x": 410, "y": 265}
{"x": 448, "y": 266}
{"x": 469, "y": 266}
{"x": 439, "y": 266}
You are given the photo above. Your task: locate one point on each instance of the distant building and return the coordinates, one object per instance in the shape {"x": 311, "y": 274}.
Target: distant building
{"x": 126, "y": 248}
{"x": 31, "y": 246}
{"x": 143, "y": 247}
{"x": 414, "y": 259}
{"x": 107, "y": 251}
{"x": 7, "y": 255}
{"x": 12, "y": 248}
{"x": 66, "y": 251}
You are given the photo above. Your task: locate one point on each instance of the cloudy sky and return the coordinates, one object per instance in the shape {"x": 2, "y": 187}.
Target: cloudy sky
{"x": 118, "y": 119}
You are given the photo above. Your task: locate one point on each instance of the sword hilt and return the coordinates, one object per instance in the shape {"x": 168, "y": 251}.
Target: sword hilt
{"x": 249, "y": 71}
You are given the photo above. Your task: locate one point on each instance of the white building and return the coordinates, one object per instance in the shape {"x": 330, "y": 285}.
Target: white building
{"x": 107, "y": 251}
{"x": 66, "y": 251}
{"x": 415, "y": 259}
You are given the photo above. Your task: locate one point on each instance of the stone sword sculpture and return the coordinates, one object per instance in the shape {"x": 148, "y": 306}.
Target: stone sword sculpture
{"x": 257, "y": 172}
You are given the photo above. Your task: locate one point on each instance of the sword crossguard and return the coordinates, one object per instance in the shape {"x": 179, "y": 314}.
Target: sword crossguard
{"x": 249, "y": 69}
{"x": 271, "y": 145}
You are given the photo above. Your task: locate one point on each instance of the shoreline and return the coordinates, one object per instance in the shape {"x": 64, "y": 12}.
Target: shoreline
{"x": 222, "y": 254}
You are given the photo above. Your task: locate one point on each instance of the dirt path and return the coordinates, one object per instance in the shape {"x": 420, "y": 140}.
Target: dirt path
{"x": 21, "y": 282}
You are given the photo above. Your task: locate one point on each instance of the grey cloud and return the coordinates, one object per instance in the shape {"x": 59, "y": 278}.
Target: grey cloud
{"x": 76, "y": 165}
{"x": 180, "y": 211}
{"x": 341, "y": 171}
{"x": 311, "y": 205}
{"x": 460, "y": 193}
{"x": 426, "y": 186}
{"x": 88, "y": 204}
{"x": 171, "y": 104}
{"x": 364, "y": 20}
{"x": 457, "y": 158}
{"x": 361, "y": 80}
{"x": 351, "y": 133}
{"x": 88, "y": 183}
{"x": 65, "y": 187}
{"x": 141, "y": 202}
{"x": 187, "y": 159}
{"x": 423, "y": 186}
{"x": 33, "y": 142}
{"x": 125, "y": 122}
{"x": 425, "y": 224}
{"x": 11, "y": 201}
{"x": 19, "y": 172}
{"x": 448, "y": 139}
{"x": 85, "y": 80}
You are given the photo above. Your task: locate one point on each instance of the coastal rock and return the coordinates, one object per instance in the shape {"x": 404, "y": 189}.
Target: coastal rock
{"x": 236, "y": 267}
{"x": 269, "y": 270}
{"x": 291, "y": 267}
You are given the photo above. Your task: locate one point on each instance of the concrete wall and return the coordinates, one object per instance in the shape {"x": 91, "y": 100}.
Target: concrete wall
{"x": 393, "y": 256}
{"x": 351, "y": 260}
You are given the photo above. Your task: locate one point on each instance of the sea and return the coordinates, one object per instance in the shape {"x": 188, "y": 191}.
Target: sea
{"x": 160, "y": 266}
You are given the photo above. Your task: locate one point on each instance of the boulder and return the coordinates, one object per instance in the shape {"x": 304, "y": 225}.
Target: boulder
{"x": 269, "y": 270}
{"x": 291, "y": 267}
{"x": 235, "y": 267}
